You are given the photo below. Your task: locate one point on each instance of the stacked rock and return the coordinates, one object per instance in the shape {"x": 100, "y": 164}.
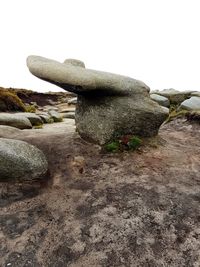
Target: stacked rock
{"x": 107, "y": 103}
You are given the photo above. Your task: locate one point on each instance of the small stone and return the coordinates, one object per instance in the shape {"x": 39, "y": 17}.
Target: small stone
{"x": 68, "y": 115}
{"x": 46, "y": 118}
{"x": 161, "y": 100}
{"x": 55, "y": 116}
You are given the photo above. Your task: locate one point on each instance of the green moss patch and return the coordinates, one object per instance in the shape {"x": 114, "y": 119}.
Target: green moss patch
{"x": 123, "y": 143}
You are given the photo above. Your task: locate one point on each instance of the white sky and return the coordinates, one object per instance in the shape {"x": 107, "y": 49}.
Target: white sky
{"x": 156, "y": 41}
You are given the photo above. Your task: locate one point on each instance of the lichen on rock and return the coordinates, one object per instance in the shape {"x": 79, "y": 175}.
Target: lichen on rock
{"x": 106, "y": 102}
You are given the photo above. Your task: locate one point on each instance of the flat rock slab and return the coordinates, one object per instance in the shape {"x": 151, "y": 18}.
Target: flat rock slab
{"x": 33, "y": 118}
{"x": 15, "y": 120}
{"x": 68, "y": 115}
{"x": 77, "y": 79}
{"x": 135, "y": 209}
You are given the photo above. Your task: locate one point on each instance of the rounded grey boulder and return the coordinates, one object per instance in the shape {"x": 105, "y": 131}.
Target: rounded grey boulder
{"x": 15, "y": 120}
{"x": 55, "y": 116}
{"x": 191, "y": 104}
{"x": 33, "y": 118}
{"x": 20, "y": 161}
{"x": 161, "y": 100}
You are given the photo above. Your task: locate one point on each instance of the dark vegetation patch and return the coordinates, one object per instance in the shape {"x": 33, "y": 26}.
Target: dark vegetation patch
{"x": 42, "y": 99}
{"x": 123, "y": 143}
{"x": 9, "y": 101}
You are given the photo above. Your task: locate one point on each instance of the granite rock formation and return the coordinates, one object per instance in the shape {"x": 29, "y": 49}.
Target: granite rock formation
{"x": 108, "y": 104}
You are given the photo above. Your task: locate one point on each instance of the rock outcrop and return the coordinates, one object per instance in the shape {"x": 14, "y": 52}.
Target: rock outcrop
{"x": 108, "y": 104}
{"x": 174, "y": 96}
{"x": 20, "y": 161}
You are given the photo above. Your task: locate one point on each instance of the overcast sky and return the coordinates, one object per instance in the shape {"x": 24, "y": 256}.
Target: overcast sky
{"x": 156, "y": 41}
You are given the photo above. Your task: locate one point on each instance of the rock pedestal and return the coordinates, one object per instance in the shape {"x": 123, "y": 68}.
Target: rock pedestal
{"x": 108, "y": 104}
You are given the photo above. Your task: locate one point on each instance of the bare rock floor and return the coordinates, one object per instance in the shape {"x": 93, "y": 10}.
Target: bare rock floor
{"x": 130, "y": 209}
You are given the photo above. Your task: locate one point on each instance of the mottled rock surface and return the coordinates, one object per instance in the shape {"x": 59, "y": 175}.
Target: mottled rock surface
{"x": 161, "y": 100}
{"x": 55, "y": 115}
{"x": 20, "y": 161}
{"x": 107, "y": 103}
{"x": 8, "y": 130}
{"x": 98, "y": 120}
{"x": 129, "y": 209}
{"x": 33, "y": 118}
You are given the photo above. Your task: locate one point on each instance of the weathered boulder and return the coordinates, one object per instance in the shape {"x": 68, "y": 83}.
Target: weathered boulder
{"x": 68, "y": 115}
{"x": 15, "y": 120}
{"x": 99, "y": 120}
{"x": 191, "y": 104}
{"x": 161, "y": 100}
{"x": 33, "y": 118}
{"x": 175, "y": 97}
{"x": 20, "y": 161}
{"x": 67, "y": 110}
{"x": 55, "y": 116}
{"x": 46, "y": 118}
{"x": 83, "y": 81}
{"x": 108, "y": 104}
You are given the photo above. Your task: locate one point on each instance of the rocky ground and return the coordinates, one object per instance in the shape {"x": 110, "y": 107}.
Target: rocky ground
{"x": 99, "y": 209}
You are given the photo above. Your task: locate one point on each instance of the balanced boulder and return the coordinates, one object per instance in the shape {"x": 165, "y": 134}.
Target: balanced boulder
{"x": 20, "y": 161}
{"x": 15, "y": 120}
{"x": 107, "y": 104}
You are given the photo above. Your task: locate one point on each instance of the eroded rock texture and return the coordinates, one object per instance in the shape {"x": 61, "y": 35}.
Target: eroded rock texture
{"x": 108, "y": 104}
